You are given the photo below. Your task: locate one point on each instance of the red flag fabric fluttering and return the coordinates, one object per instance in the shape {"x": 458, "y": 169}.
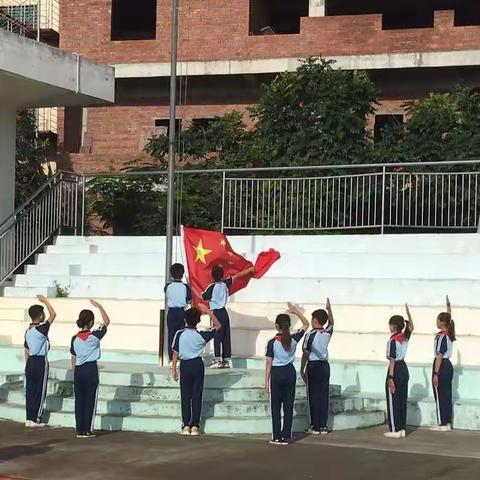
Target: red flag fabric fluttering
{"x": 205, "y": 249}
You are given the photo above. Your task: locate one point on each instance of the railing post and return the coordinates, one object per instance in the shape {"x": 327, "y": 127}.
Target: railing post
{"x": 383, "y": 199}
{"x": 223, "y": 202}
{"x": 39, "y": 20}
{"x": 60, "y": 205}
{"x": 83, "y": 206}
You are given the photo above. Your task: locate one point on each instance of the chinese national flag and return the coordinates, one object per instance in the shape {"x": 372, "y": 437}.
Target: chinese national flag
{"x": 205, "y": 249}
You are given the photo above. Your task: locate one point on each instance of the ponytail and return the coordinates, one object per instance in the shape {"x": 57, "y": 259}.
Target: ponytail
{"x": 446, "y": 320}
{"x": 283, "y": 323}
{"x": 407, "y": 333}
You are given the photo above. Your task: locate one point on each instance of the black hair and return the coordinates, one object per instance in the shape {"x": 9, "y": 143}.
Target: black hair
{"x": 446, "y": 319}
{"x": 35, "y": 312}
{"x": 177, "y": 270}
{"x": 401, "y": 325}
{"x": 283, "y": 322}
{"x": 321, "y": 316}
{"x": 86, "y": 319}
{"x": 192, "y": 317}
{"x": 217, "y": 273}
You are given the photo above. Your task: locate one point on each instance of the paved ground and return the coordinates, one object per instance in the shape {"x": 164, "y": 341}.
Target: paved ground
{"x": 53, "y": 454}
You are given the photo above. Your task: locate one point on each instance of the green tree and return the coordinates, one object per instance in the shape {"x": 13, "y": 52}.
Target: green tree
{"x": 441, "y": 127}
{"x": 30, "y": 154}
{"x": 315, "y": 115}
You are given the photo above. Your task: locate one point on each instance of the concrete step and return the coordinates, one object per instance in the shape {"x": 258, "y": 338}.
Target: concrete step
{"x": 342, "y": 291}
{"x": 17, "y": 314}
{"x": 391, "y": 243}
{"x": 141, "y": 408}
{"x": 212, "y": 425}
{"x": 8, "y": 378}
{"x": 109, "y": 392}
{"x": 336, "y": 265}
{"x": 422, "y": 411}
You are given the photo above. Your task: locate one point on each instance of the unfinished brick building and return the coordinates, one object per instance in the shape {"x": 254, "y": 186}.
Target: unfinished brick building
{"x": 228, "y": 48}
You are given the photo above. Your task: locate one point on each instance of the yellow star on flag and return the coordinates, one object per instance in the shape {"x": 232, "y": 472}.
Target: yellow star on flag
{"x": 201, "y": 252}
{"x": 223, "y": 243}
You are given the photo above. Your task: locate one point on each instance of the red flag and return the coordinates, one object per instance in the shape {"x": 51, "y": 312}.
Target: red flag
{"x": 205, "y": 249}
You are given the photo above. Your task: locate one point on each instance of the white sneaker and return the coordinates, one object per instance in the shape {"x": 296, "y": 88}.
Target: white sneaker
{"x": 393, "y": 434}
{"x": 30, "y": 424}
{"x": 195, "y": 432}
{"x": 185, "y": 431}
{"x": 441, "y": 428}
{"x": 404, "y": 433}
{"x": 216, "y": 365}
{"x": 225, "y": 364}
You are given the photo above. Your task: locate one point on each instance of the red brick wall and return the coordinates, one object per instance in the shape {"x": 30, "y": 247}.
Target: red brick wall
{"x": 118, "y": 133}
{"x": 218, "y": 30}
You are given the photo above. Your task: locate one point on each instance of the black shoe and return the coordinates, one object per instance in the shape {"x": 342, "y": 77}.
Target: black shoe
{"x": 82, "y": 435}
{"x": 276, "y": 442}
{"x": 90, "y": 435}
{"x": 284, "y": 441}
{"x": 324, "y": 431}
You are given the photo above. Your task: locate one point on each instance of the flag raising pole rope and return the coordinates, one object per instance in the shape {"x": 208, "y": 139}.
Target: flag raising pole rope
{"x": 171, "y": 147}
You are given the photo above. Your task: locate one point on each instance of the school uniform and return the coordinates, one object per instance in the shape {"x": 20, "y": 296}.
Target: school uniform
{"x": 397, "y": 348}
{"x": 178, "y": 296}
{"x": 85, "y": 346}
{"x": 318, "y": 375}
{"x": 189, "y": 344}
{"x": 443, "y": 393}
{"x": 283, "y": 379}
{"x": 36, "y": 370}
{"x": 217, "y": 295}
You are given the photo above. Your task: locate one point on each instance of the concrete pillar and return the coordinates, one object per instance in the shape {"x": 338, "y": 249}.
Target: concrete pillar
{"x": 316, "y": 8}
{"x": 8, "y": 132}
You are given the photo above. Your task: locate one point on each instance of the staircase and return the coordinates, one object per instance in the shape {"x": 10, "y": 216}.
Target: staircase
{"x": 368, "y": 279}
{"x": 144, "y": 398}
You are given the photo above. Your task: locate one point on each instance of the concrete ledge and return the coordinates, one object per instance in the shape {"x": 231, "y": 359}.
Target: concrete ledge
{"x": 461, "y": 58}
{"x": 33, "y": 74}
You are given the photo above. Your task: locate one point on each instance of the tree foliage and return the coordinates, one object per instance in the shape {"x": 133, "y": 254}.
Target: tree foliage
{"x": 30, "y": 154}
{"x": 442, "y": 127}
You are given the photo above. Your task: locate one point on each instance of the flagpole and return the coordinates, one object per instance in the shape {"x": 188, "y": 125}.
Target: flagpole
{"x": 171, "y": 150}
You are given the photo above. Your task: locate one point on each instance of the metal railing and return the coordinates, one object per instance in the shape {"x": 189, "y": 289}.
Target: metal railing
{"x": 436, "y": 196}
{"x": 11, "y": 24}
{"x": 373, "y": 200}
{"x": 50, "y": 209}
{"x": 29, "y": 17}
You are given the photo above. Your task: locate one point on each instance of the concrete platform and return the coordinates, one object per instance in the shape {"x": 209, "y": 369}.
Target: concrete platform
{"x": 54, "y": 454}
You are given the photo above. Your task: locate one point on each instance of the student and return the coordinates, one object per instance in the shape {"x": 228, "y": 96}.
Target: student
{"x": 188, "y": 346}
{"x": 280, "y": 374}
{"x": 315, "y": 369}
{"x": 36, "y": 348}
{"x": 396, "y": 386}
{"x": 178, "y": 295}
{"x": 85, "y": 350}
{"x": 217, "y": 294}
{"x": 442, "y": 375}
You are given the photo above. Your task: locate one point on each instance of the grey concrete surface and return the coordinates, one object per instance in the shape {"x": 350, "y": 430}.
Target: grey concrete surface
{"x": 53, "y": 454}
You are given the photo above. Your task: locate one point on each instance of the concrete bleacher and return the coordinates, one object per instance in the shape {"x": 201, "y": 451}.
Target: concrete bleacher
{"x": 368, "y": 279}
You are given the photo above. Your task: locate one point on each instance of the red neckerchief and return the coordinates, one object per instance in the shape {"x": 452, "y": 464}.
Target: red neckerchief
{"x": 398, "y": 337}
{"x": 320, "y": 329}
{"x": 83, "y": 335}
{"x": 442, "y": 332}
{"x": 278, "y": 337}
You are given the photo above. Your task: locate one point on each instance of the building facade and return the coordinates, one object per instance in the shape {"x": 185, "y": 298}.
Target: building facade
{"x": 229, "y": 48}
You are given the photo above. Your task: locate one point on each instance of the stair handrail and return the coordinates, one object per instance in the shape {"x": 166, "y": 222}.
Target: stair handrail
{"x": 5, "y": 225}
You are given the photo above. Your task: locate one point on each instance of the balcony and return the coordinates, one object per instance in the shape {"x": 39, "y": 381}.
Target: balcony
{"x": 32, "y": 18}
